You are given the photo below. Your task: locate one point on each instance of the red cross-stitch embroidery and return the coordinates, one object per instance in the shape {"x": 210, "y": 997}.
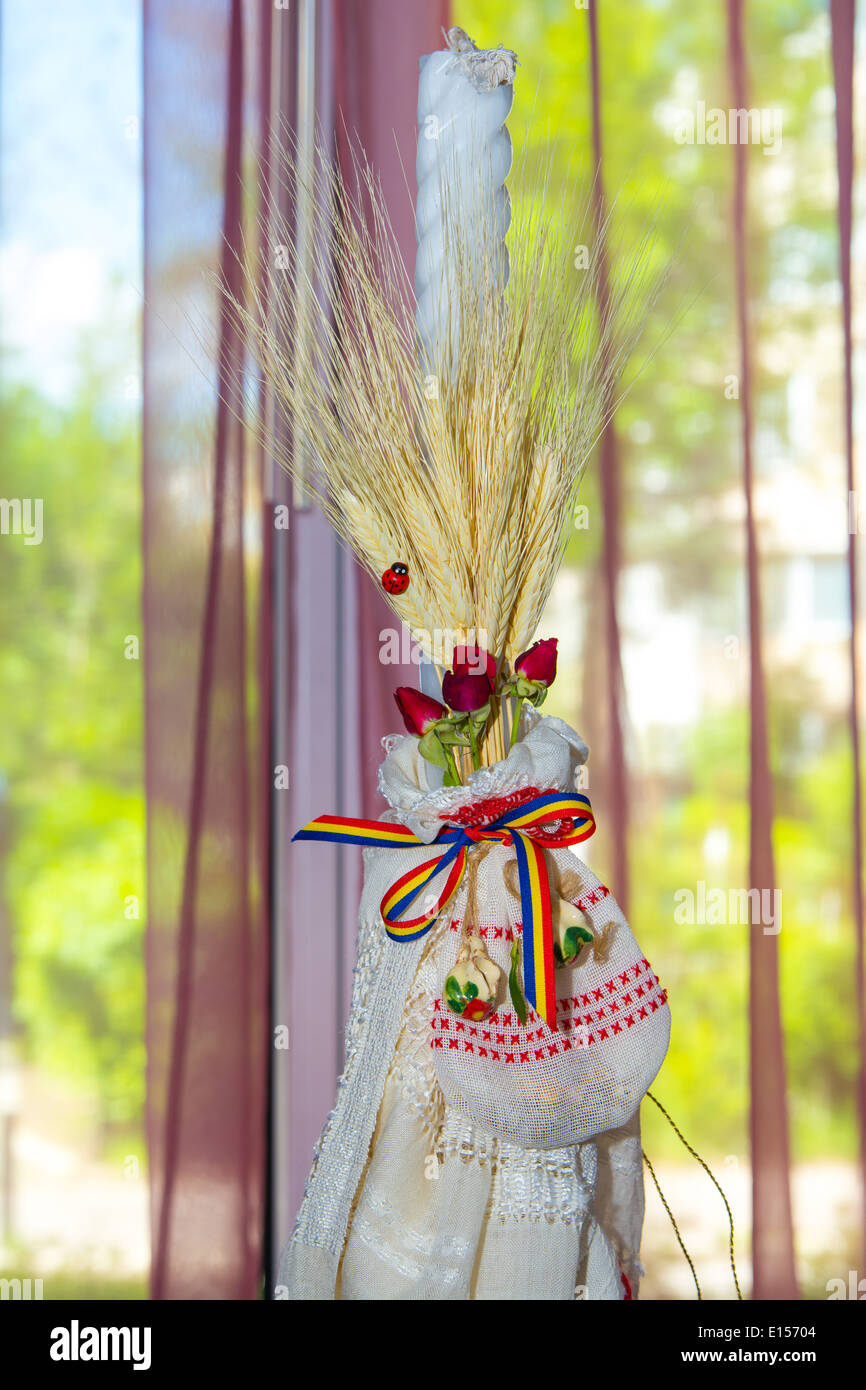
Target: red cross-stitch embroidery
{"x": 619, "y": 1013}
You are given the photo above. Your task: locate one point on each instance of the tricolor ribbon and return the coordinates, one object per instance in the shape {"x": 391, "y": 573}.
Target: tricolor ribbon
{"x": 553, "y": 819}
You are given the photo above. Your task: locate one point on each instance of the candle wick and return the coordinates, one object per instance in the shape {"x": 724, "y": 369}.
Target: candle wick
{"x": 486, "y": 68}
{"x": 458, "y": 40}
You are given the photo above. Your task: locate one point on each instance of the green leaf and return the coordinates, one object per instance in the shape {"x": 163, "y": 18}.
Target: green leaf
{"x": 449, "y": 736}
{"x": 430, "y": 748}
{"x": 514, "y": 989}
{"x": 470, "y": 989}
{"x": 568, "y": 949}
{"x": 575, "y": 938}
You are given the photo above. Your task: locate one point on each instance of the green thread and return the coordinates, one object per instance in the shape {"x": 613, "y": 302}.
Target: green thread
{"x": 652, "y": 1172}
{"x": 715, "y": 1183}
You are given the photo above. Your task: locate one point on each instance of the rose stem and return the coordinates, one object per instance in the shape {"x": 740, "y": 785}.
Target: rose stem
{"x": 516, "y": 725}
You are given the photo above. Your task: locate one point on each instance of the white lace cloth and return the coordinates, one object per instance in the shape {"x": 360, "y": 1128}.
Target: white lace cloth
{"x": 407, "y": 1197}
{"x": 548, "y": 756}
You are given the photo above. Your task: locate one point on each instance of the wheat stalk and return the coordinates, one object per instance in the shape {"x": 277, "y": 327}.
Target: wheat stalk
{"x": 466, "y": 468}
{"x": 542, "y": 529}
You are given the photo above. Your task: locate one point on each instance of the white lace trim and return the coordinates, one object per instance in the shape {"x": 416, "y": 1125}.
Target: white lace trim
{"x": 553, "y": 1185}
{"x": 370, "y": 947}
{"x": 549, "y": 757}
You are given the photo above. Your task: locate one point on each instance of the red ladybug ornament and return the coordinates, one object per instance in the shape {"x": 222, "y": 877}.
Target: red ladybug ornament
{"x": 395, "y": 580}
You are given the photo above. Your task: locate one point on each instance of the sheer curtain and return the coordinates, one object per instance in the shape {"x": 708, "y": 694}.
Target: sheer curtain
{"x": 262, "y": 644}
{"x": 842, "y": 15}
{"x": 262, "y": 648}
{"x": 207, "y": 1023}
{"x": 772, "y": 1229}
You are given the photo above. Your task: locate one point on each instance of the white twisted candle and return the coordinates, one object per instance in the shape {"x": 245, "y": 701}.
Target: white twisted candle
{"x": 464, "y": 155}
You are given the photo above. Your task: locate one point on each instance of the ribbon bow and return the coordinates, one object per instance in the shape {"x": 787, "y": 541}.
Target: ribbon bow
{"x": 568, "y": 819}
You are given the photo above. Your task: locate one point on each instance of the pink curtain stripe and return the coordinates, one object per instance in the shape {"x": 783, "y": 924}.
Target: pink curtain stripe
{"x": 842, "y": 17}
{"x": 772, "y": 1231}
{"x": 206, "y": 941}
{"x": 616, "y": 773}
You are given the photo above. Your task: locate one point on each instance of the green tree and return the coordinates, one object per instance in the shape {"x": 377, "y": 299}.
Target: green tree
{"x": 70, "y": 740}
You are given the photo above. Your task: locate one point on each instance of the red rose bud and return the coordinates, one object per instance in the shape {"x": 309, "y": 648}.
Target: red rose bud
{"x": 419, "y": 712}
{"x": 474, "y": 661}
{"x": 465, "y": 693}
{"x": 539, "y": 663}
